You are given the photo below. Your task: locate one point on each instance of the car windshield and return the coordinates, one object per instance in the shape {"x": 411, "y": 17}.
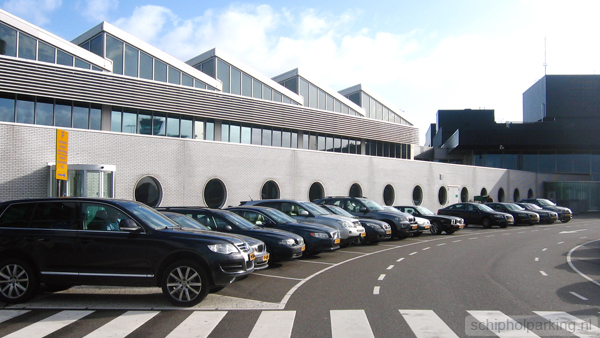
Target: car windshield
{"x": 514, "y": 207}
{"x": 372, "y": 205}
{"x": 533, "y": 207}
{"x": 483, "y": 207}
{"x": 278, "y": 216}
{"x": 149, "y": 216}
{"x": 236, "y": 219}
{"x": 546, "y": 202}
{"x": 424, "y": 211}
{"x": 339, "y": 211}
{"x": 186, "y": 222}
{"x": 313, "y": 208}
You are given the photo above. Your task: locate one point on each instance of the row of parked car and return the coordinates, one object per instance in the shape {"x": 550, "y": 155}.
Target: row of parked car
{"x": 56, "y": 243}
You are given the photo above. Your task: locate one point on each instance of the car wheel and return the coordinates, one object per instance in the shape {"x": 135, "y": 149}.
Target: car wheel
{"x": 436, "y": 228}
{"x": 417, "y": 234}
{"x": 565, "y": 220}
{"x": 184, "y": 283}
{"x": 402, "y": 236}
{"x": 18, "y": 281}
{"x": 486, "y": 223}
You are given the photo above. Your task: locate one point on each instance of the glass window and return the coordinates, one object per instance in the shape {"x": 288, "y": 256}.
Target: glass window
{"x": 234, "y": 133}
{"x": 256, "y": 89}
{"x": 97, "y": 45}
{"x": 81, "y": 115}
{"x": 129, "y": 121}
{"x": 160, "y": 71}
{"x": 321, "y": 143}
{"x": 25, "y": 107}
{"x": 173, "y": 126}
{"x": 114, "y": 51}
{"x": 256, "y": 135}
{"x": 268, "y": 93}
{"x": 200, "y": 84}
{"x": 373, "y": 109}
{"x": 417, "y": 195}
{"x": 464, "y": 194}
{"x": 316, "y": 191}
{"x": 187, "y": 80}
{"x": 246, "y": 85}
{"x": 329, "y": 103}
{"x": 44, "y": 112}
{"x": 389, "y": 195}
{"x": 132, "y": 55}
{"x": 63, "y": 58}
{"x": 355, "y": 97}
{"x": 148, "y": 191}
{"x": 158, "y": 124}
{"x": 215, "y": 193}
{"x": 246, "y": 135}
{"x": 276, "y": 138}
{"x": 277, "y": 96}
{"x": 96, "y": 117}
{"x": 208, "y": 68}
{"x": 329, "y": 143}
{"x": 115, "y": 120}
{"x": 63, "y": 113}
{"x": 9, "y": 38}
{"x": 82, "y": 64}
{"x": 27, "y": 46}
{"x": 582, "y": 163}
{"x": 322, "y": 100}
{"x": 266, "y": 137}
{"x": 144, "y": 124}
{"x": 294, "y": 143}
{"x": 337, "y": 106}
{"x": 186, "y": 127}
{"x": 223, "y": 74}
{"x": 285, "y": 139}
{"x": 547, "y": 163}
{"x": 313, "y": 143}
{"x": 225, "y": 132}
{"x": 270, "y": 190}
{"x": 146, "y": 66}
{"x": 210, "y": 131}
{"x": 337, "y": 145}
{"x": 7, "y": 105}
{"x": 344, "y": 109}
{"x": 312, "y": 96}
{"x": 564, "y": 163}
{"x": 199, "y": 130}
{"x": 345, "y": 143}
{"x": 355, "y": 190}
{"x": 442, "y": 195}
{"x": 174, "y": 76}
{"x": 304, "y": 90}
{"x": 236, "y": 81}
{"x": 46, "y": 53}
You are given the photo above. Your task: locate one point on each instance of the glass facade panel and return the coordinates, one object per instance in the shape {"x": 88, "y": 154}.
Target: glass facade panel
{"x": 27, "y": 46}
{"x": 313, "y": 98}
{"x": 81, "y": 115}
{"x": 256, "y": 89}
{"x": 132, "y": 56}
{"x": 7, "y": 106}
{"x": 276, "y": 142}
{"x": 82, "y": 64}
{"x": 246, "y": 135}
{"x": 236, "y": 81}
{"x": 46, "y": 53}
{"x": 97, "y": 45}
{"x": 209, "y": 131}
{"x": 234, "y": 133}
{"x": 329, "y": 103}
{"x": 115, "y": 120}
{"x": 337, "y": 106}
{"x": 114, "y": 51}
{"x": 187, "y": 80}
{"x": 530, "y": 162}
{"x": 159, "y": 124}
{"x": 322, "y": 100}
{"x": 200, "y": 84}
{"x": 582, "y": 163}
{"x": 96, "y": 117}
{"x": 146, "y": 66}
{"x": 292, "y": 84}
{"x": 225, "y": 132}
{"x": 145, "y": 123}
{"x": 63, "y": 58}
{"x": 304, "y": 90}
{"x": 547, "y": 163}
{"x": 223, "y": 74}
{"x": 294, "y": 143}
{"x": 344, "y": 109}
{"x": 174, "y": 76}
{"x": 246, "y": 85}
{"x": 63, "y": 111}
{"x": 160, "y": 71}
{"x": 256, "y": 135}
{"x": 186, "y": 128}
{"x": 9, "y": 36}
{"x": 173, "y": 126}
{"x": 208, "y": 68}
{"x": 321, "y": 143}
{"x": 44, "y": 112}
{"x": 268, "y": 93}
{"x": 130, "y": 122}
{"x": 285, "y": 139}
{"x": 277, "y": 96}
{"x": 266, "y": 137}
{"x": 328, "y": 143}
{"x": 25, "y": 107}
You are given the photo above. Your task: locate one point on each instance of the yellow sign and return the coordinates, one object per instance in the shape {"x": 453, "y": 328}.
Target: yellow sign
{"x": 62, "y": 154}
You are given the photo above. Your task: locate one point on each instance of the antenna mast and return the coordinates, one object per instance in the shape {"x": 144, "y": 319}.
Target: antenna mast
{"x": 545, "y": 64}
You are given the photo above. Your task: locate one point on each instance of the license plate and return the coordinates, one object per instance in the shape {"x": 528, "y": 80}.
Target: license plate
{"x": 252, "y": 256}
{"x": 415, "y": 226}
{"x": 363, "y": 234}
{"x": 388, "y": 232}
{"x": 303, "y": 247}
{"x": 337, "y": 241}
{"x": 427, "y": 227}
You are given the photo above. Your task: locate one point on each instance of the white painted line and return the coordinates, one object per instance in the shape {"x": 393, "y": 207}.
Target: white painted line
{"x": 521, "y": 232}
{"x": 584, "y": 237}
{"x": 274, "y": 324}
{"x": 508, "y": 233}
{"x": 491, "y": 319}
{"x": 48, "y": 325}
{"x": 350, "y": 252}
{"x": 10, "y": 314}
{"x": 427, "y": 248}
{"x": 376, "y": 290}
{"x": 560, "y": 243}
{"x": 576, "y": 326}
{"x": 537, "y": 259}
{"x": 578, "y": 295}
{"x": 426, "y": 324}
{"x": 390, "y": 267}
{"x": 414, "y": 253}
{"x": 199, "y": 324}
{"x": 441, "y": 244}
{"x": 473, "y": 237}
{"x": 123, "y": 325}
{"x": 305, "y": 261}
{"x": 490, "y": 236}
{"x": 381, "y": 277}
{"x": 400, "y": 259}
{"x": 281, "y": 277}
{"x": 534, "y": 230}
{"x": 460, "y": 240}
{"x": 544, "y": 249}
{"x": 543, "y": 273}
{"x": 570, "y": 261}
{"x": 350, "y": 324}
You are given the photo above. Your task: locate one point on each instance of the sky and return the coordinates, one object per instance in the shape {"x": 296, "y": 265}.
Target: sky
{"x": 420, "y": 56}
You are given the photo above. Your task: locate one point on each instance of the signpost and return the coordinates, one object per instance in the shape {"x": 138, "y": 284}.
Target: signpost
{"x": 62, "y": 154}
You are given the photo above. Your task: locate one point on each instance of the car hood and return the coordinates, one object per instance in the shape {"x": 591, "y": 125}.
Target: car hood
{"x": 555, "y": 208}
{"x": 259, "y": 232}
{"x": 431, "y": 217}
{"x": 309, "y": 226}
{"x": 233, "y": 238}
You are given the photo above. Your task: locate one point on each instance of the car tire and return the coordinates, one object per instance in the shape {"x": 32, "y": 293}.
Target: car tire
{"x": 184, "y": 283}
{"x": 417, "y": 234}
{"x": 436, "y": 228}
{"x": 402, "y": 236}
{"x": 565, "y": 220}
{"x": 18, "y": 281}
{"x": 486, "y": 223}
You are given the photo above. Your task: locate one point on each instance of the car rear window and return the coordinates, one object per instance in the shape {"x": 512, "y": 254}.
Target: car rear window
{"x": 54, "y": 215}
{"x": 17, "y": 215}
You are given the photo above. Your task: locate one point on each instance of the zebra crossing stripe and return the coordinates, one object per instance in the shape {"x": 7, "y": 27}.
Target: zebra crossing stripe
{"x": 350, "y": 324}
{"x": 570, "y": 323}
{"x": 507, "y": 329}
{"x": 274, "y": 324}
{"x": 48, "y": 325}
{"x": 123, "y": 325}
{"x": 198, "y": 325}
{"x": 10, "y": 314}
{"x": 426, "y": 324}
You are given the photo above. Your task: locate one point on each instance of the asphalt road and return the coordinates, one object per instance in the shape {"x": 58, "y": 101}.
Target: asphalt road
{"x": 522, "y": 281}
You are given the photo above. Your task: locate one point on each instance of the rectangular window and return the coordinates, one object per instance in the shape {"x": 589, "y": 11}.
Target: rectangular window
{"x": 115, "y": 119}
{"x": 313, "y": 99}
{"x": 246, "y": 85}
{"x": 96, "y": 117}
{"x": 81, "y": 116}
{"x": 208, "y": 68}
{"x": 129, "y": 121}
{"x": 337, "y": 106}
{"x": 286, "y": 139}
{"x": 277, "y": 96}
{"x": 173, "y": 126}
{"x": 321, "y": 143}
{"x": 345, "y": 148}
{"x": 294, "y": 143}
{"x": 144, "y": 123}
{"x": 174, "y": 76}
{"x": 7, "y": 105}
{"x": 9, "y": 36}
{"x": 97, "y": 45}
{"x": 114, "y": 51}
{"x": 313, "y": 142}
{"x": 187, "y": 80}
{"x": 63, "y": 58}
{"x": 160, "y": 71}
{"x": 199, "y": 130}
{"x": 210, "y": 131}
{"x": 337, "y": 145}
{"x": 256, "y": 89}
{"x": 266, "y": 137}
{"x": 146, "y": 66}
{"x": 132, "y": 56}
{"x": 246, "y": 136}
{"x": 236, "y": 81}
{"x": 225, "y": 132}
{"x": 63, "y": 113}
{"x": 223, "y": 74}
{"x": 256, "y": 135}
{"x": 366, "y": 104}
{"x": 186, "y": 127}
{"x": 158, "y": 124}
{"x": 46, "y": 53}
{"x": 234, "y": 133}
{"x": 329, "y": 143}
{"x": 276, "y": 140}
{"x": 329, "y": 103}
{"x": 25, "y": 107}
{"x": 200, "y": 84}
{"x": 82, "y": 64}
{"x": 305, "y": 141}
{"x": 268, "y": 93}
{"x": 44, "y": 112}
{"x": 27, "y": 46}
{"x": 304, "y": 90}
{"x": 292, "y": 84}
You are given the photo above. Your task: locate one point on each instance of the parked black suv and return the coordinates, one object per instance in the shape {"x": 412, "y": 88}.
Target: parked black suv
{"x": 403, "y": 225}
{"x": 63, "y": 242}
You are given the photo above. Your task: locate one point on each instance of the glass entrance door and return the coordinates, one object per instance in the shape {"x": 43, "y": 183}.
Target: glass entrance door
{"x": 84, "y": 180}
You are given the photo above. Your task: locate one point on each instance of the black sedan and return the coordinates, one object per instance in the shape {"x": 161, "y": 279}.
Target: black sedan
{"x": 439, "y": 223}
{"x": 280, "y": 244}
{"x": 375, "y": 230}
{"x": 476, "y": 213}
{"x": 521, "y": 215}
{"x": 546, "y": 216}
{"x": 564, "y": 214}
{"x": 316, "y": 237}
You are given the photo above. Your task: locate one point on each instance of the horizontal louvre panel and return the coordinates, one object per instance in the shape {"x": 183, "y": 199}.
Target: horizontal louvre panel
{"x": 34, "y": 78}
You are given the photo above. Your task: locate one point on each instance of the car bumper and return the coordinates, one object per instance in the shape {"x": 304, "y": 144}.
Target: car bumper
{"x": 322, "y": 244}
{"x": 227, "y": 269}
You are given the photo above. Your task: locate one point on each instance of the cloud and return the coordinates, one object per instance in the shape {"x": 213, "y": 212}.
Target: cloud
{"x": 147, "y": 22}
{"x": 34, "y": 11}
{"x": 97, "y": 10}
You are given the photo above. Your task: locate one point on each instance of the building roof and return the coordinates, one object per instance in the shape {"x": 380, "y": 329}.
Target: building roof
{"x": 372, "y": 93}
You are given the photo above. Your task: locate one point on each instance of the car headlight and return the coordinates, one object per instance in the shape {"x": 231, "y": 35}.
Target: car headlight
{"x": 288, "y": 241}
{"x": 346, "y": 224}
{"x": 319, "y": 234}
{"x": 223, "y": 248}
{"x": 401, "y": 219}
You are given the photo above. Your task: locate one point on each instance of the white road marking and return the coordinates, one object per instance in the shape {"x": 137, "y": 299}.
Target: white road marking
{"x": 441, "y": 244}
{"x": 350, "y": 324}
{"x": 581, "y": 329}
{"x": 584, "y": 237}
{"x": 490, "y": 235}
{"x": 414, "y": 253}
{"x": 376, "y": 290}
{"x": 473, "y": 237}
{"x": 123, "y": 325}
{"x": 48, "y": 325}
{"x": 460, "y": 240}
{"x": 426, "y": 324}
{"x": 537, "y": 259}
{"x": 390, "y": 267}
{"x": 10, "y": 314}
{"x": 560, "y": 243}
{"x": 305, "y": 261}
{"x": 274, "y": 324}
{"x": 508, "y": 327}
{"x": 571, "y": 231}
{"x": 570, "y": 261}
{"x": 544, "y": 249}
{"x": 578, "y": 295}
{"x": 381, "y": 277}
{"x": 400, "y": 259}
{"x": 508, "y": 233}
{"x": 543, "y": 273}
{"x": 281, "y": 277}
{"x": 427, "y": 248}
{"x": 198, "y": 325}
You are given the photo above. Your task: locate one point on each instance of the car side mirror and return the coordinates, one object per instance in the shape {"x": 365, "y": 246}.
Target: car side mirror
{"x": 128, "y": 224}
{"x": 228, "y": 228}
{"x": 363, "y": 210}
{"x": 304, "y": 213}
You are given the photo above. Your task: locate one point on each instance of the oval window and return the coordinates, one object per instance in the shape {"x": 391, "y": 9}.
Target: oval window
{"x": 483, "y": 192}
{"x": 355, "y": 190}
{"x": 464, "y": 195}
{"x": 501, "y": 195}
{"x": 148, "y": 191}
{"x": 443, "y": 196}
{"x": 417, "y": 195}
{"x": 389, "y": 195}
{"x": 530, "y": 193}
{"x": 270, "y": 190}
{"x": 215, "y": 193}
{"x": 517, "y": 195}
{"x": 316, "y": 191}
